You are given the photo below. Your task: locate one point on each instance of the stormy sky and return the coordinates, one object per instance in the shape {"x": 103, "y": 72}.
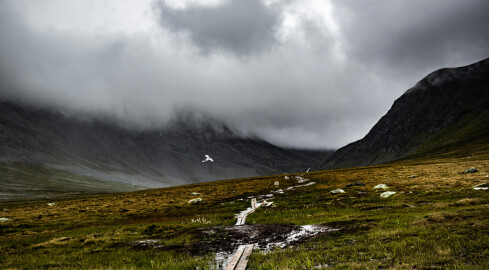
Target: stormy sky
{"x": 298, "y": 73}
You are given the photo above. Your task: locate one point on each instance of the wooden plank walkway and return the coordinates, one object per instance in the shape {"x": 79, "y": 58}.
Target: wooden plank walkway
{"x": 240, "y": 258}
{"x": 242, "y": 216}
{"x": 244, "y": 257}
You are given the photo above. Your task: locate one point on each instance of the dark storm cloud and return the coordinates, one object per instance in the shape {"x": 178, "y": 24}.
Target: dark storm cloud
{"x": 410, "y": 35}
{"x": 297, "y": 73}
{"x": 235, "y": 26}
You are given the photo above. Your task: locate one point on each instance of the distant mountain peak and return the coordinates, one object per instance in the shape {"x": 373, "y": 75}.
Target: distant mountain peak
{"x": 444, "y": 76}
{"x": 439, "y": 101}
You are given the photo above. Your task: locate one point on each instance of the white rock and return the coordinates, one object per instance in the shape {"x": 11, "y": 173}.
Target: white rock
{"x": 337, "y": 191}
{"x": 195, "y": 193}
{"x": 51, "y": 204}
{"x": 484, "y": 186}
{"x": 301, "y": 180}
{"x": 381, "y": 186}
{"x": 4, "y": 219}
{"x": 387, "y": 194}
{"x": 196, "y": 200}
{"x": 267, "y": 204}
{"x": 286, "y": 177}
{"x": 277, "y": 183}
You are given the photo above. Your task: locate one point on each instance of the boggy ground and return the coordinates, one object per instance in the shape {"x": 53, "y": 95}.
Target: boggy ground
{"x": 436, "y": 220}
{"x": 228, "y": 238}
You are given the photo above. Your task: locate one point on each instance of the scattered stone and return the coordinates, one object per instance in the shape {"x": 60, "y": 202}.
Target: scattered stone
{"x": 195, "y": 201}
{"x": 51, "y": 204}
{"x": 381, "y": 186}
{"x": 276, "y": 183}
{"x": 484, "y": 186}
{"x": 4, "y": 219}
{"x": 387, "y": 194}
{"x": 337, "y": 191}
{"x": 286, "y": 177}
{"x": 470, "y": 170}
{"x": 301, "y": 180}
{"x": 357, "y": 184}
{"x": 413, "y": 176}
{"x": 267, "y": 204}
{"x": 195, "y": 194}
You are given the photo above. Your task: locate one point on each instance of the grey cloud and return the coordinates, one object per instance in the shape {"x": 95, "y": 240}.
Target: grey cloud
{"x": 297, "y": 92}
{"x": 236, "y": 26}
{"x": 415, "y": 36}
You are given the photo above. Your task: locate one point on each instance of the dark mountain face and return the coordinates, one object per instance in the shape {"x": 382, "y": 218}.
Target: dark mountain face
{"x": 436, "y": 103}
{"x": 151, "y": 158}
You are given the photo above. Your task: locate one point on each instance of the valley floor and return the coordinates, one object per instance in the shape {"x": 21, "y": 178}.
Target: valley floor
{"x": 435, "y": 220}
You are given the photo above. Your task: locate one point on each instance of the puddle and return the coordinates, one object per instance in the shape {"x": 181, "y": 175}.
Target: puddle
{"x": 302, "y": 233}
{"x": 265, "y": 238}
{"x": 222, "y": 259}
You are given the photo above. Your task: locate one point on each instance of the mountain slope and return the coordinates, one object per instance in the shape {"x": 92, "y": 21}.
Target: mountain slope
{"x": 447, "y": 107}
{"x": 150, "y": 158}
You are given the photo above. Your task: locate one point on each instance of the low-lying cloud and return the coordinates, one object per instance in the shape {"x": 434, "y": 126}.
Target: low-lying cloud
{"x": 297, "y": 73}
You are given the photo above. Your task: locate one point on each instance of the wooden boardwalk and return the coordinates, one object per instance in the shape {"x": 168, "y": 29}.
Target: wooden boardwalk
{"x": 240, "y": 258}
{"x": 242, "y": 216}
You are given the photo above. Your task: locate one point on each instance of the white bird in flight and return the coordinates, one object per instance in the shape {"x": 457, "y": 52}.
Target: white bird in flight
{"x": 207, "y": 158}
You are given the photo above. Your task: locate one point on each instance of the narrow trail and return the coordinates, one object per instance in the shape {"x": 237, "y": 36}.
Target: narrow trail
{"x": 239, "y": 260}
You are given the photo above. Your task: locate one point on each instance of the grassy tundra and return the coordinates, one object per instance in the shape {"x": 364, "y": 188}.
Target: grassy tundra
{"x": 436, "y": 220}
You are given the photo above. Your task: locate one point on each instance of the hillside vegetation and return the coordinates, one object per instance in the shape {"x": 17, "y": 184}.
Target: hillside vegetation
{"x": 435, "y": 220}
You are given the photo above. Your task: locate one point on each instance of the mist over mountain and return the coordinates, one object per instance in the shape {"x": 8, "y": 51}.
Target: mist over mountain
{"x": 136, "y": 93}
{"x": 304, "y": 74}
{"x": 147, "y": 158}
{"x": 446, "y": 110}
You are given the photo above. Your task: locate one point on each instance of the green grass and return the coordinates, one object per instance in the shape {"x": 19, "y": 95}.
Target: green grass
{"x": 21, "y": 180}
{"x": 447, "y": 231}
{"x": 434, "y": 221}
